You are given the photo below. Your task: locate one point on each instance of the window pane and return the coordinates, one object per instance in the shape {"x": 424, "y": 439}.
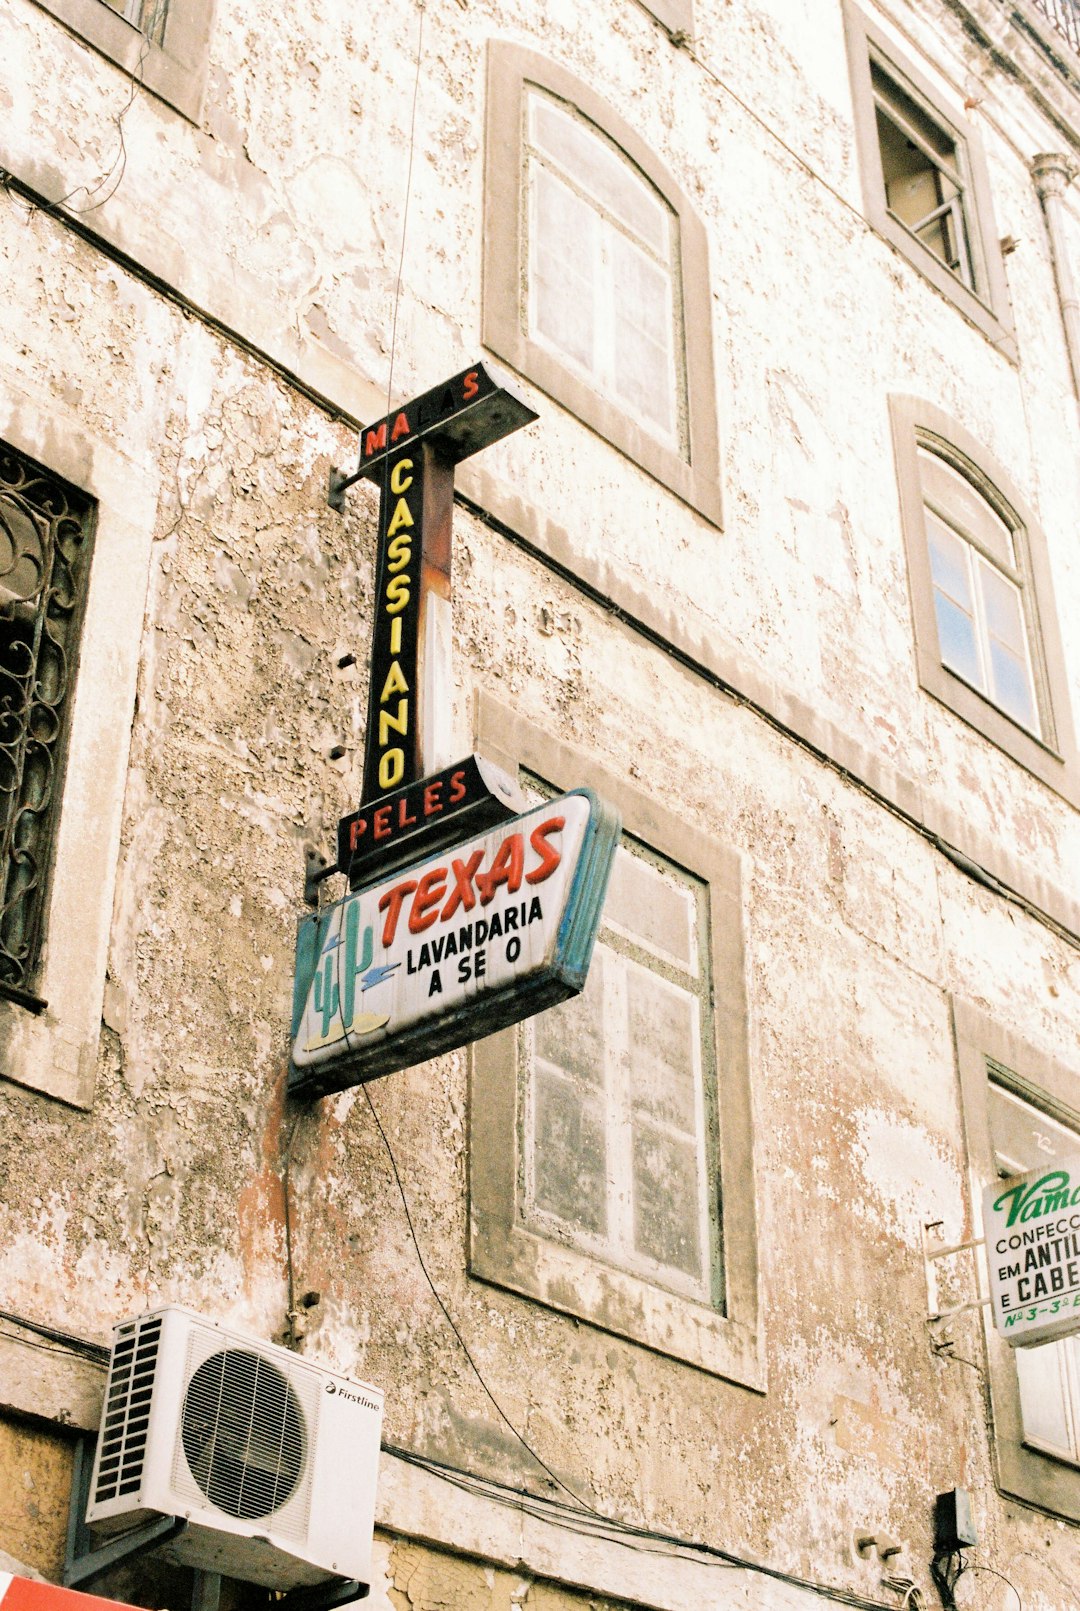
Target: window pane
{"x": 1011, "y": 683}
{"x": 665, "y": 1045}
{"x": 1023, "y": 1137}
{"x": 563, "y": 264}
{"x": 660, "y": 914}
{"x": 965, "y": 508}
{"x": 569, "y": 1151}
{"x": 571, "y": 1036}
{"x": 1044, "y": 1397}
{"x": 644, "y": 365}
{"x": 616, "y": 1143}
{"x": 665, "y": 1200}
{"x": 592, "y": 164}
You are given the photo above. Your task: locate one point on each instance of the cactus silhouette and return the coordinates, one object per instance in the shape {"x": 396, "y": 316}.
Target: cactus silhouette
{"x": 327, "y": 997}
{"x": 353, "y": 964}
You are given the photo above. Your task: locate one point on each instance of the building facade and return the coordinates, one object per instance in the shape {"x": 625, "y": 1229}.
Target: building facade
{"x": 786, "y": 570}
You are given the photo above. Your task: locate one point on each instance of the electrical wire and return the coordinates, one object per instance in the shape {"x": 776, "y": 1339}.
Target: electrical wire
{"x": 972, "y": 1566}
{"x": 121, "y": 155}
{"x": 69, "y": 1342}
{"x": 594, "y": 1524}
{"x": 454, "y": 1327}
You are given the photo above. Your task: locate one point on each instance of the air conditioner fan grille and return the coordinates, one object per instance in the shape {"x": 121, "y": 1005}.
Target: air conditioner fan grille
{"x": 242, "y": 1430}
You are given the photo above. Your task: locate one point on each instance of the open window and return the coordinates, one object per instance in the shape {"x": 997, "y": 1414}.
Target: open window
{"x": 925, "y": 184}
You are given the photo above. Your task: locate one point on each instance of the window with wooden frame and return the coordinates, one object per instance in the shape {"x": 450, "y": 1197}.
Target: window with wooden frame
{"x": 1021, "y": 1107}
{"x": 600, "y": 1132}
{"x": 595, "y": 272}
{"x": 986, "y": 632}
{"x": 162, "y": 44}
{"x": 925, "y": 182}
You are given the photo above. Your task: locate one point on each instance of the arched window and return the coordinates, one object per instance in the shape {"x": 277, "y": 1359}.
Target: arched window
{"x": 595, "y": 269}
{"x": 986, "y": 634}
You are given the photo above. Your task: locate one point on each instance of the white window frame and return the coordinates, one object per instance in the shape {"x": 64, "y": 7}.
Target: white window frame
{"x": 983, "y": 298}
{"x": 1051, "y": 753}
{"x": 619, "y": 1245}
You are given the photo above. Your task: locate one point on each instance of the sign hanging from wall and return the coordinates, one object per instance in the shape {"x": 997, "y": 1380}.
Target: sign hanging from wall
{"x": 451, "y": 947}
{"x": 1032, "y": 1229}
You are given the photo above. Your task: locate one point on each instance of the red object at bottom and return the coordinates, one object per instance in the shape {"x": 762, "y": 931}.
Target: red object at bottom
{"x": 24, "y": 1594}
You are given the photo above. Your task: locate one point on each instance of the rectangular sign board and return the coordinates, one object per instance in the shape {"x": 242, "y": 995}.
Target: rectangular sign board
{"x": 1032, "y": 1228}
{"x": 452, "y": 947}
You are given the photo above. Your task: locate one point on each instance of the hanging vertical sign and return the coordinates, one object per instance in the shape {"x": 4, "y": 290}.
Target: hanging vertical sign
{"x": 466, "y": 913}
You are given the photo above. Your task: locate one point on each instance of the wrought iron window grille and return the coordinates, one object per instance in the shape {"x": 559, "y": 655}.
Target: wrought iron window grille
{"x": 1064, "y": 17}
{"x": 46, "y": 536}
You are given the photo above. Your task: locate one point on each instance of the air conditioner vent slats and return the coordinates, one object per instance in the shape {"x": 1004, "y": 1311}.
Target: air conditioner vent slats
{"x": 124, "y": 1430}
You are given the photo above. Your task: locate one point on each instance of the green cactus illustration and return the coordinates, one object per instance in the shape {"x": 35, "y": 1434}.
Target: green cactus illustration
{"x": 327, "y": 996}
{"x": 354, "y": 965}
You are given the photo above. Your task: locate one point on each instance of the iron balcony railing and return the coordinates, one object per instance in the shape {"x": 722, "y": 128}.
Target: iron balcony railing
{"x": 1064, "y": 15}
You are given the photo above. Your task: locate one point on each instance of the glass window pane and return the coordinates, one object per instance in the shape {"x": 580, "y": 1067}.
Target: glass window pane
{"x": 571, "y": 1036}
{"x": 665, "y": 1049}
{"x": 965, "y": 507}
{"x": 593, "y": 165}
{"x": 949, "y": 564}
{"x": 959, "y": 647}
{"x": 569, "y": 1152}
{"x": 652, "y": 909}
{"x": 1044, "y": 1395}
{"x": 1011, "y": 688}
{"x": 1011, "y": 684}
{"x": 563, "y": 258}
{"x": 666, "y": 1219}
{"x": 644, "y": 363}
{"x": 1023, "y": 1137}
{"x": 1004, "y": 616}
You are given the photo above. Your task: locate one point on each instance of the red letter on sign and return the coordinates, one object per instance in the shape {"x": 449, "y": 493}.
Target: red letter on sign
{"x": 505, "y": 869}
{"x": 401, "y": 427}
{"x": 391, "y": 903}
{"x": 375, "y": 440}
{"x": 462, "y": 892}
{"x": 429, "y": 892}
{"x": 471, "y": 389}
{"x": 549, "y": 856}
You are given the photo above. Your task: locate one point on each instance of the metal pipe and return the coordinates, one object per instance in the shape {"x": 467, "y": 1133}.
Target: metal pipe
{"x": 1053, "y": 174}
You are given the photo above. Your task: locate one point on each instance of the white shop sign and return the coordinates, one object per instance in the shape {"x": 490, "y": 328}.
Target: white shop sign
{"x": 1032, "y": 1229}
{"x": 452, "y": 947}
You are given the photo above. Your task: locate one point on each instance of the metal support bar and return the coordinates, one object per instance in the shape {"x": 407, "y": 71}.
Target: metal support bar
{"x": 205, "y": 1590}
{"x": 324, "y": 1596}
{"x": 82, "y": 1560}
{"x": 934, "y": 1250}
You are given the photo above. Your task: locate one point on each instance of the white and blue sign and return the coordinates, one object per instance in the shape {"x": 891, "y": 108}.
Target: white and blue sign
{"x": 451, "y": 947}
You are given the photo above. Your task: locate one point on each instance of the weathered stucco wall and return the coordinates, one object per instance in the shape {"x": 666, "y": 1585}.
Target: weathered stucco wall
{"x": 277, "y": 221}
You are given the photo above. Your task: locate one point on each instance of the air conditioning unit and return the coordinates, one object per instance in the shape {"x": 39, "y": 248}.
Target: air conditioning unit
{"x": 271, "y": 1459}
